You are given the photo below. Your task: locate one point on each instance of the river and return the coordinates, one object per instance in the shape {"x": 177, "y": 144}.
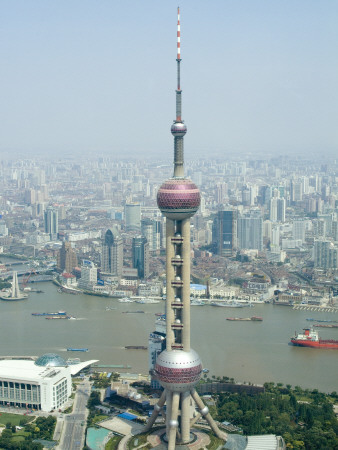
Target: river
{"x": 247, "y": 351}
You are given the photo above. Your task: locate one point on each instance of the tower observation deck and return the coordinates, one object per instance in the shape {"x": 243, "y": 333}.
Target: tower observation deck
{"x": 179, "y": 368}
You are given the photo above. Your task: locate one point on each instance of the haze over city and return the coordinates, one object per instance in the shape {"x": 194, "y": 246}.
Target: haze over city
{"x": 86, "y": 77}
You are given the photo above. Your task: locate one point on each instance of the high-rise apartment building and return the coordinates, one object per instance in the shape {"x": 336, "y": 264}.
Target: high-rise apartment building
{"x": 224, "y": 232}
{"x": 132, "y": 214}
{"x": 66, "y": 258}
{"x": 112, "y": 254}
{"x": 250, "y": 230}
{"x": 298, "y": 230}
{"x": 325, "y": 254}
{"x": 51, "y": 217}
{"x": 277, "y": 209}
{"x": 151, "y": 230}
{"x": 140, "y": 256}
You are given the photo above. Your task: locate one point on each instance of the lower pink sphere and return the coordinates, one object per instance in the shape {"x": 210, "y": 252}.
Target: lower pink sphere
{"x": 178, "y": 198}
{"x": 178, "y": 370}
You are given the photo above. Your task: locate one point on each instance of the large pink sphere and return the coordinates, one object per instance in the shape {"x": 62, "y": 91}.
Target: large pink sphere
{"x": 178, "y": 370}
{"x": 178, "y": 198}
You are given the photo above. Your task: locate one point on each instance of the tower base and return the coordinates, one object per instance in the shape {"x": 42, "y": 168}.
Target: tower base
{"x": 179, "y": 432}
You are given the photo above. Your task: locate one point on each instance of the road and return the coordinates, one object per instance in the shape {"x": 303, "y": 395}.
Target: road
{"x": 73, "y": 432}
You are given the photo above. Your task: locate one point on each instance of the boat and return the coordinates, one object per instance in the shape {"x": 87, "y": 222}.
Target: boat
{"x": 147, "y": 300}
{"x": 317, "y": 320}
{"x": 125, "y": 300}
{"x": 132, "y": 312}
{"x": 70, "y": 349}
{"x": 58, "y": 313}
{"x": 135, "y": 347}
{"x": 310, "y": 338}
{"x": 227, "y": 305}
{"x": 14, "y": 294}
{"x": 59, "y": 317}
{"x": 194, "y": 302}
{"x": 325, "y": 325}
{"x": 246, "y": 319}
{"x": 241, "y": 319}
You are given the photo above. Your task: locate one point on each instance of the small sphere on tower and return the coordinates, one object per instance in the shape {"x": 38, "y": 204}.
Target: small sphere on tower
{"x": 178, "y": 370}
{"x": 178, "y": 198}
{"x": 178, "y": 129}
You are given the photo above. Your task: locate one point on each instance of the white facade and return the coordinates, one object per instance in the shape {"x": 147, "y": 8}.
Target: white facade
{"x": 88, "y": 275}
{"x": 24, "y": 384}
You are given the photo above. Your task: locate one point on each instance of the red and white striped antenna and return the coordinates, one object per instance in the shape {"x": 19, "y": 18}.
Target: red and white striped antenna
{"x": 178, "y": 35}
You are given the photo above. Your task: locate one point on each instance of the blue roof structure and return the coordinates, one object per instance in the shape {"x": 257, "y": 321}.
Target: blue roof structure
{"x": 127, "y": 416}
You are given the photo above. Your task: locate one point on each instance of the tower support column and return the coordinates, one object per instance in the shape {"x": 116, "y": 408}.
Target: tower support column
{"x": 185, "y": 417}
{"x": 186, "y": 284}
{"x": 170, "y": 276}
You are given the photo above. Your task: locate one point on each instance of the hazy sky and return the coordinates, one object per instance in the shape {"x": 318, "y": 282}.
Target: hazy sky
{"x": 98, "y": 76}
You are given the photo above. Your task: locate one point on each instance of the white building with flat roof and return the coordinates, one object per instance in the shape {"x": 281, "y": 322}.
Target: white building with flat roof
{"x": 44, "y": 384}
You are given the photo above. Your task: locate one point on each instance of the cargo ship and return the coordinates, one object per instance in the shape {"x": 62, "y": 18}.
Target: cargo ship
{"x": 135, "y": 347}
{"x": 70, "y": 349}
{"x": 246, "y": 319}
{"x": 58, "y": 313}
{"x": 310, "y": 338}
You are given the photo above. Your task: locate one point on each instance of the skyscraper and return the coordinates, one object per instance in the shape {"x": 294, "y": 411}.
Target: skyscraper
{"x": 250, "y": 230}
{"x": 132, "y": 213}
{"x": 51, "y": 222}
{"x": 178, "y": 368}
{"x": 225, "y": 232}
{"x": 112, "y": 254}
{"x": 140, "y": 255}
{"x": 66, "y": 258}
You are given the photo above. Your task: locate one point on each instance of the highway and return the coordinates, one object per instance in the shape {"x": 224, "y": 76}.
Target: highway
{"x": 73, "y": 432}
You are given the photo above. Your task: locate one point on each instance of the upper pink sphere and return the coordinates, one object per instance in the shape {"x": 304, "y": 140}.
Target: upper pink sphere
{"x": 178, "y": 198}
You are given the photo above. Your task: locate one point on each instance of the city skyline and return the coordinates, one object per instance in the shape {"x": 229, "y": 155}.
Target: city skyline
{"x": 77, "y": 78}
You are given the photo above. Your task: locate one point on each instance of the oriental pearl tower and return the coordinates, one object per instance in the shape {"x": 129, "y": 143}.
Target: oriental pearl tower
{"x": 178, "y": 368}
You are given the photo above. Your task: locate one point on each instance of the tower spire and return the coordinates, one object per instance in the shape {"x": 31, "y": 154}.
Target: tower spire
{"x": 178, "y": 129}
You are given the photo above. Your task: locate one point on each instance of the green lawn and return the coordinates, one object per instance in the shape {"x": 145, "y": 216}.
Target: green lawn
{"x": 14, "y": 419}
{"x": 113, "y": 443}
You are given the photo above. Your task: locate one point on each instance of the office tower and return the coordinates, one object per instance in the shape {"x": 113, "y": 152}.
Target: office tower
{"x": 140, "y": 256}
{"x": 250, "y": 230}
{"x": 88, "y": 275}
{"x": 112, "y": 254}
{"x": 66, "y": 258}
{"x": 224, "y": 232}
{"x": 51, "y": 222}
{"x": 178, "y": 368}
{"x": 132, "y": 214}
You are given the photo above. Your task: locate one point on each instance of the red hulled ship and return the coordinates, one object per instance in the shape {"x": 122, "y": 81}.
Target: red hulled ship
{"x": 310, "y": 338}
